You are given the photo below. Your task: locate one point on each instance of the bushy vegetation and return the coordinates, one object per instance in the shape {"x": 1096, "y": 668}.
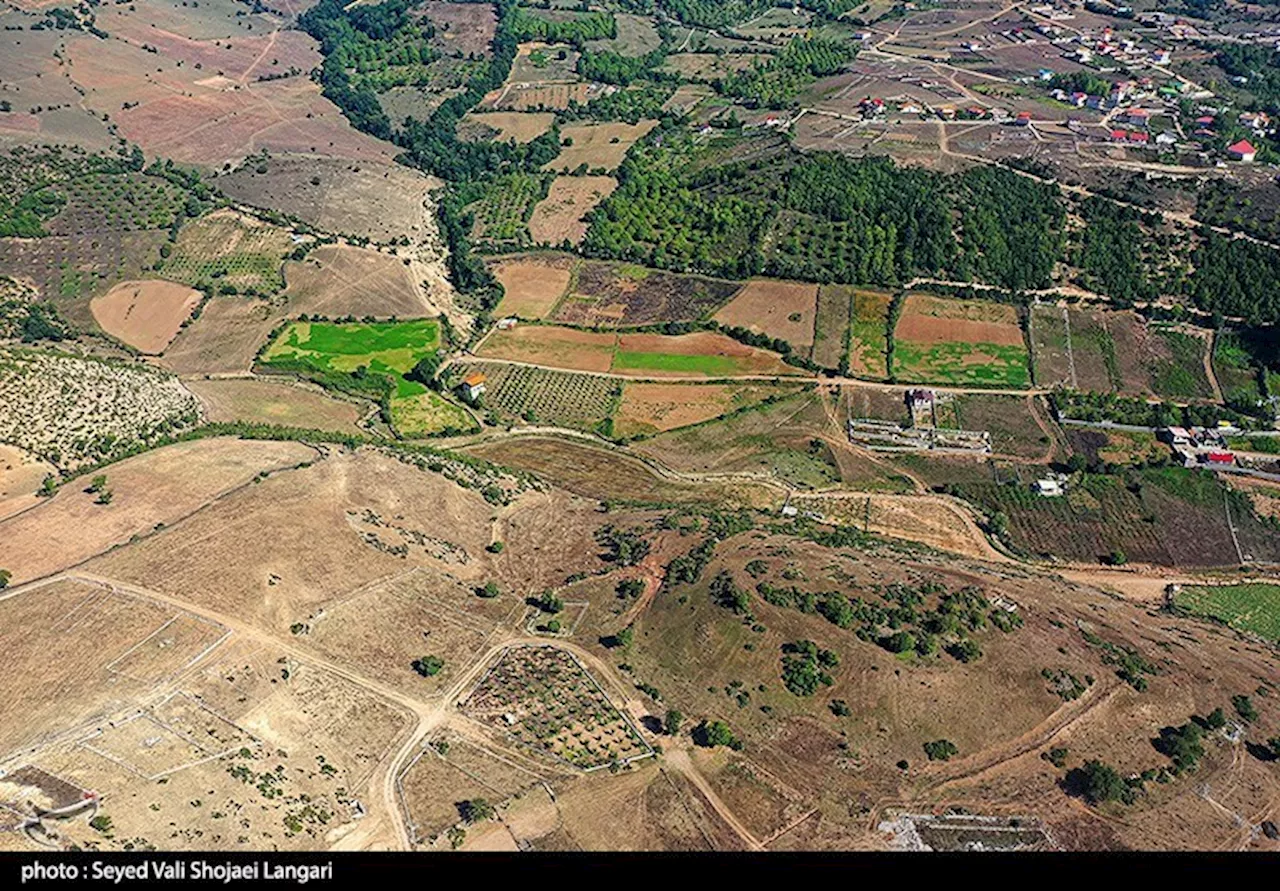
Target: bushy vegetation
{"x": 805, "y": 667}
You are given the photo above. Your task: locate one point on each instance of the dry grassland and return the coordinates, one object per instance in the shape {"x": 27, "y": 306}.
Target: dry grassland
{"x": 532, "y": 288}
{"x": 502, "y": 126}
{"x": 599, "y": 146}
{"x": 154, "y": 489}
{"x": 270, "y": 402}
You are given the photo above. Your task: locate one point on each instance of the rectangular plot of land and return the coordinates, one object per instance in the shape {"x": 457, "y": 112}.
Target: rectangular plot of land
{"x": 779, "y": 309}
{"x": 169, "y": 648}
{"x": 387, "y": 628}
{"x": 206, "y": 729}
{"x": 959, "y": 342}
{"x": 144, "y": 747}
{"x": 831, "y": 327}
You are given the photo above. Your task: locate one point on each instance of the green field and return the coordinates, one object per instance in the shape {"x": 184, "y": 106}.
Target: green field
{"x": 362, "y": 355}
{"x": 1248, "y": 607}
{"x": 952, "y": 363}
{"x": 714, "y": 366}
{"x": 387, "y": 347}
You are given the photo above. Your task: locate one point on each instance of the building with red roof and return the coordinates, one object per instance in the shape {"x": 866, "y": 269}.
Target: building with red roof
{"x": 1242, "y": 151}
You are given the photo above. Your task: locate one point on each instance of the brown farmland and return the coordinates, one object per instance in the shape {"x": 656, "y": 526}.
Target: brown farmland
{"x": 146, "y": 315}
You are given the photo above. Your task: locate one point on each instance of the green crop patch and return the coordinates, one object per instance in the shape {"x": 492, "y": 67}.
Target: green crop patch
{"x": 716, "y": 366}
{"x": 985, "y": 364}
{"x": 377, "y": 346}
{"x": 1251, "y": 607}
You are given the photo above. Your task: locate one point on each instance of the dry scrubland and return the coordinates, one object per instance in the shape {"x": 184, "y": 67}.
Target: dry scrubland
{"x": 21, "y": 474}
{"x": 200, "y": 101}
{"x": 368, "y": 199}
{"x": 73, "y": 410}
{"x": 355, "y": 564}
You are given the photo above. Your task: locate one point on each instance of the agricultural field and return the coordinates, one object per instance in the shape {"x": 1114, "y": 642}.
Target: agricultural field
{"x": 73, "y": 410}
{"x": 385, "y": 347}
{"x": 73, "y": 268}
{"x": 1250, "y": 607}
{"x": 778, "y": 309}
{"x": 539, "y": 396}
{"x": 869, "y": 336}
{"x": 959, "y": 342}
{"x": 1164, "y": 517}
{"x": 1019, "y": 426}
{"x": 597, "y": 147}
{"x": 831, "y": 329}
{"x": 647, "y": 409}
{"x": 114, "y": 202}
{"x": 1235, "y": 367}
{"x": 418, "y": 412}
{"x": 146, "y": 315}
{"x": 532, "y": 286}
{"x": 559, "y": 709}
{"x": 783, "y": 439}
{"x": 334, "y": 354}
{"x": 1108, "y": 351}
{"x": 624, "y": 294}
{"x": 227, "y": 249}
{"x": 637, "y": 35}
{"x": 703, "y": 354}
{"x": 502, "y": 213}
{"x": 503, "y": 126}
{"x": 560, "y": 216}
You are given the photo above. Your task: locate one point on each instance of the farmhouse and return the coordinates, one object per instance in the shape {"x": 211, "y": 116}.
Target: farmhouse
{"x": 1242, "y": 151}
{"x": 472, "y": 386}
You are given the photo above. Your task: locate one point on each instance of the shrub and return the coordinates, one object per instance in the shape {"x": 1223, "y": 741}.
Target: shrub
{"x": 940, "y": 750}
{"x": 428, "y": 666}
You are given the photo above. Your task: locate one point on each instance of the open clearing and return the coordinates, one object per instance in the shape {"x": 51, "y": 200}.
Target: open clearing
{"x": 560, "y": 216}
{"x": 502, "y": 126}
{"x": 154, "y": 489}
{"x": 598, "y": 146}
{"x": 270, "y": 402}
{"x": 532, "y": 287}
{"x": 146, "y": 315}
{"x": 959, "y": 342}
{"x": 780, "y": 309}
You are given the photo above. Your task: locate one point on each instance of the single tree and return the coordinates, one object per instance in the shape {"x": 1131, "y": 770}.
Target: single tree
{"x": 673, "y": 719}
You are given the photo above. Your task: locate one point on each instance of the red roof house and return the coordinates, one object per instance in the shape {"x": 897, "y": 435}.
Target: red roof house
{"x": 1242, "y": 151}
